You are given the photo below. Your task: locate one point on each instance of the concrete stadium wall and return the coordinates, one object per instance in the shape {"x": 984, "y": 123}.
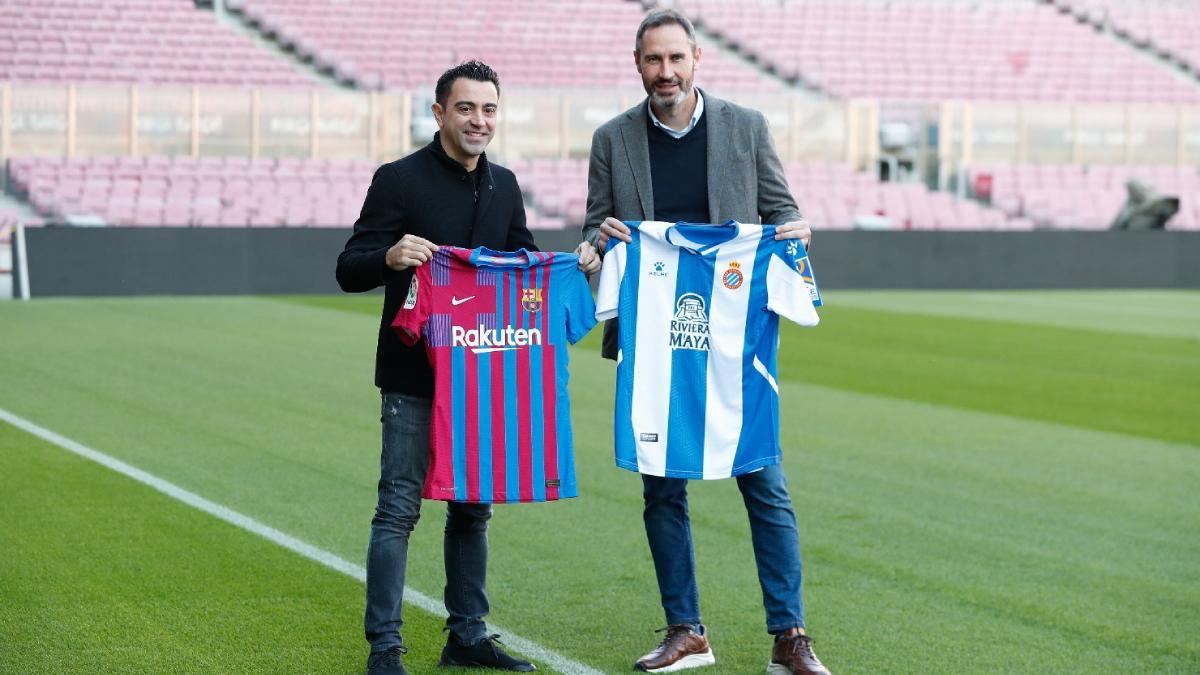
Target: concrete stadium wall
{"x": 225, "y": 261}
{"x": 1012, "y": 260}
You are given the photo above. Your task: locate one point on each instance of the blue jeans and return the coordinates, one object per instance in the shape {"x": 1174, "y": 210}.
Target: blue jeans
{"x": 772, "y": 531}
{"x": 402, "y": 468}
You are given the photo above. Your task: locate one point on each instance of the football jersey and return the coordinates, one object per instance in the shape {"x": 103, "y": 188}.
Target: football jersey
{"x": 496, "y": 327}
{"x": 699, "y": 307}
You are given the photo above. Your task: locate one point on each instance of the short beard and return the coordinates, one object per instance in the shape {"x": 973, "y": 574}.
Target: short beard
{"x": 668, "y": 103}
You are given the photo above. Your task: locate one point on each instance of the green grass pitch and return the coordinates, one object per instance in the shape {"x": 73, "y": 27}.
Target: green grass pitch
{"x": 985, "y": 482}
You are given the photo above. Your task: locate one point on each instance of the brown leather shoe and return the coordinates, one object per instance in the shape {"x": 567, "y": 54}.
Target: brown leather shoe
{"x": 794, "y": 656}
{"x": 681, "y": 648}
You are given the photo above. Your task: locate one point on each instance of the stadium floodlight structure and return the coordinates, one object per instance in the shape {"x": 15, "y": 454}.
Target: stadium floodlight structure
{"x": 1145, "y": 209}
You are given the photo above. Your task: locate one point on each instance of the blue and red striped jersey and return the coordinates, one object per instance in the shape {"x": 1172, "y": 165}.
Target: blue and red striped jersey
{"x": 496, "y": 327}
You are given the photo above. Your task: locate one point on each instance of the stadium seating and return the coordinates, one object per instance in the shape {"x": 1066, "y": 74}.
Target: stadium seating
{"x": 1068, "y": 196}
{"x": 556, "y": 188}
{"x": 184, "y": 191}
{"x": 936, "y": 50}
{"x": 162, "y": 42}
{"x": 835, "y": 197}
{"x": 298, "y": 192}
{"x": 205, "y": 191}
{"x": 830, "y": 196}
{"x": 1165, "y": 26}
{"x": 531, "y": 43}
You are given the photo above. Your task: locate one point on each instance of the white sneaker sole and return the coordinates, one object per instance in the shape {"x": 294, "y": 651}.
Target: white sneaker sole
{"x": 777, "y": 669}
{"x": 689, "y": 661}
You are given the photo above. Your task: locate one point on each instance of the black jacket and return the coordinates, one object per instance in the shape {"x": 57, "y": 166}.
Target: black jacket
{"x": 432, "y": 196}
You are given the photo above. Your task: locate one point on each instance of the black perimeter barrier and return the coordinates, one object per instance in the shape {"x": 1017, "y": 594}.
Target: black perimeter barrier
{"x": 108, "y": 261}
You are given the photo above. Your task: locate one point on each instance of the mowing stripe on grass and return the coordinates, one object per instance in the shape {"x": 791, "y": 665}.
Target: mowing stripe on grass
{"x": 334, "y": 562}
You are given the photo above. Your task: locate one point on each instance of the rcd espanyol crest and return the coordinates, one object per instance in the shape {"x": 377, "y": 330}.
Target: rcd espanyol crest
{"x": 733, "y": 276}
{"x": 531, "y": 299}
{"x": 689, "y": 326}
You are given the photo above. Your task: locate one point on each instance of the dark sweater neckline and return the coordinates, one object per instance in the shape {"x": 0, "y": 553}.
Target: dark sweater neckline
{"x": 435, "y": 147}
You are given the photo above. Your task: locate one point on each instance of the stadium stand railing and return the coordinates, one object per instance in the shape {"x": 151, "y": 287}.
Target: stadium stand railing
{"x": 82, "y": 120}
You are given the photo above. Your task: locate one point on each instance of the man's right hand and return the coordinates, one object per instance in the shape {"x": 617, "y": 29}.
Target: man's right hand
{"x": 611, "y": 227}
{"x": 410, "y": 251}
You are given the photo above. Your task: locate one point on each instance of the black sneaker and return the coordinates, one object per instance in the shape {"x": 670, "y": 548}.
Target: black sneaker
{"x": 387, "y": 663}
{"x": 483, "y": 654}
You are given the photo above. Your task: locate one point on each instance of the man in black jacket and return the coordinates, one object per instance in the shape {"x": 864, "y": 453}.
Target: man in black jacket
{"x": 446, "y": 193}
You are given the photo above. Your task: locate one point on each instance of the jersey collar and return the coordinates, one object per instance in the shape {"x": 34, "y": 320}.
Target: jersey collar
{"x": 700, "y": 237}
{"x": 486, "y": 257}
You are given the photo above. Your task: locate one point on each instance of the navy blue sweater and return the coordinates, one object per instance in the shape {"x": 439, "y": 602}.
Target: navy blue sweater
{"x": 679, "y": 173}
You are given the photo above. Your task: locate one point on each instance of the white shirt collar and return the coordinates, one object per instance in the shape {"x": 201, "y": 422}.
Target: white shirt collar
{"x": 691, "y": 125}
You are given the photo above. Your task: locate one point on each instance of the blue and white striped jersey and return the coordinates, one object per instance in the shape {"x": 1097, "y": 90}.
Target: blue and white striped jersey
{"x": 699, "y": 309}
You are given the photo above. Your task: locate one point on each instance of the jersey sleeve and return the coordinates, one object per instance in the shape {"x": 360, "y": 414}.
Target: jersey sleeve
{"x": 796, "y": 256}
{"x": 791, "y": 289}
{"x": 612, "y": 273}
{"x": 413, "y": 313}
{"x": 581, "y": 308}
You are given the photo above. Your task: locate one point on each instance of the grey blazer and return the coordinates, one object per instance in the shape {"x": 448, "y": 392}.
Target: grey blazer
{"x": 745, "y": 177}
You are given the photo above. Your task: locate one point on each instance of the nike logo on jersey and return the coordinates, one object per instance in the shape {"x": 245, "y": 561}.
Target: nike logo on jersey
{"x": 458, "y": 301}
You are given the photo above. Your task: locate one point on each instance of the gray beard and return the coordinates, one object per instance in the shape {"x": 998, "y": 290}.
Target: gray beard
{"x": 668, "y": 103}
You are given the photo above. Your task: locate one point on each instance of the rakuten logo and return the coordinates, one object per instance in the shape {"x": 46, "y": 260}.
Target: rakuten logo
{"x": 484, "y": 339}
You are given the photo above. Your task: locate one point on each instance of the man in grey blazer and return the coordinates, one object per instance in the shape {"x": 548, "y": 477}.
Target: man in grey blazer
{"x": 684, "y": 155}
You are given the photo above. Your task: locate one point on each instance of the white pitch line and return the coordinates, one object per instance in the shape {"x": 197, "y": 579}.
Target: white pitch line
{"x": 412, "y": 596}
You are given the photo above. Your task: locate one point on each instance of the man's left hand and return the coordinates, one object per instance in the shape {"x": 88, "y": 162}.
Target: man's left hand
{"x": 589, "y": 262}
{"x": 796, "y": 229}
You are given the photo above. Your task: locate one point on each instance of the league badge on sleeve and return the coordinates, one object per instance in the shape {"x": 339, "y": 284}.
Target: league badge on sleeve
{"x": 799, "y": 258}
{"x": 411, "y": 300}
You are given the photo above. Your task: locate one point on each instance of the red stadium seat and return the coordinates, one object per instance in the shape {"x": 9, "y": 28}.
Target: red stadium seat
{"x": 152, "y": 42}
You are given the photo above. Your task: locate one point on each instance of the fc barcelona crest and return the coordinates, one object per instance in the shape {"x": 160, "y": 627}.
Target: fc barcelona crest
{"x": 531, "y": 299}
